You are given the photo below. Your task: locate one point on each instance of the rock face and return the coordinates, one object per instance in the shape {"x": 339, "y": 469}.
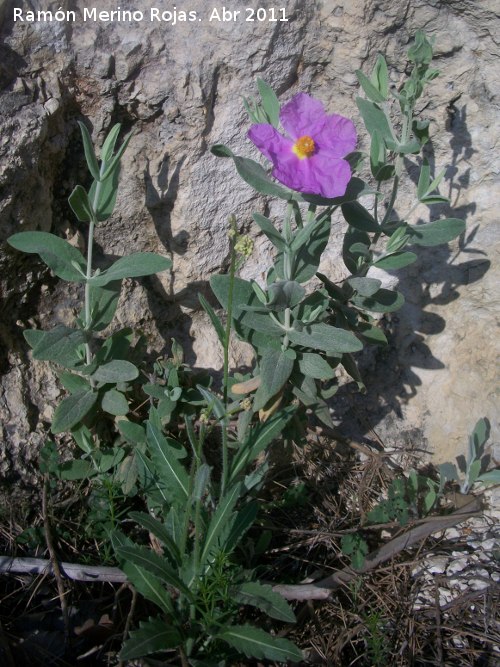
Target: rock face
{"x": 178, "y": 86}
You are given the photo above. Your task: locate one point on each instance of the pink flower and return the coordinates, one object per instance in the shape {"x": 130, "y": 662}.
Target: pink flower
{"x": 309, "y": 159}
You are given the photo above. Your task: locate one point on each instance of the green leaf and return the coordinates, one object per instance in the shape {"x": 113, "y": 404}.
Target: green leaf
{"x": 109, "y": 458}
{"x": 132, "y": 266}
{"x": 424, "y": 179}
{"x": 171, "y": 473}
{"x": 275, "y": 369}
{"x": 435, "y": 233}
{"x": 114, "y": 403}
{"x": 395, "y": 261}
{"x": 79, "y": 202}
{"x": 356, "y": 245}
{"x": 285, "y": 294}
{"x": 270, "y": 231}
{"x": 399, "y": 238}
{"x": 315, "y": 366}
{"x": 73, "y": 383}
{"x": 369, "y": 89}
{"x": 238, "y": 526}
{"x": 113, "y": 164}
{"x": 375, "y": 120}
{"x": 383, "y": 301}
{"x": 309, "y": 246}
{"x": 127, "y": 474}
{"x": 88, "y": 147}
{"x": 59, "y": 345}
{"x": 160, "y": 531}
{"x": 355, "y": 188}
{"x": 356, "y": 547}
{"x": 109, "y": 143}
{"x": 103, "y": 304}
{"x": 326, "y": 338}
{"x": 365, "y": 286}
{"x": 259, "y": 438}
{"x": 219, "y": 520}
{"x": 57, "y": 254}
{"x": 380, "y": 77}
{"x": 103, "y": 194}
{"x": 256, "y": 643}
{"x": 152, "y": 636}
{"x": 371, "y": 334}
{"x": 490, "y": 477}
{"x": 146, "y": 583}
{"x": 77, "y": 469}
{"x": 421, "y": 51}
{"x": 133, "y": 433}
{"x": 253, "y": 174}
{"x": 481, "y": 433}
{"x": 72, "y": 410}
{"x": 154, "y": 564}
{"x": 216, "y": 323}
{"x": 264, "y": 598}
{"x": 117, "y": 370}
{"x": 270, "y": 102}
{"x": 357, "y": 216}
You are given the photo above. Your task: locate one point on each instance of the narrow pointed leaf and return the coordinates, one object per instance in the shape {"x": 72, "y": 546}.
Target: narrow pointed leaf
{"x": 256, "y": 643}
{"x": 79, "y": 202}
{"x": 152, "y": 636}
{"x": 270, "y": 102}
{"x": 109, "y": 143}
{"x": 132, "y": 266}
{"x": 371, "y": 92}
{"x": 259, "y": 438}
{"x": 160, "y": 531}
{"x": 216, "y": 323}
{"x": 88, "y": 147}
{"x": 219, "y": 519}
{"x": 397, "y": 260}
{"x": 270, "y": 231}
{"x": 435, "y": 233}
{"x": 170, "y": 471}
{"x": 264, "y": 598}
{"x": 154, "y": 564}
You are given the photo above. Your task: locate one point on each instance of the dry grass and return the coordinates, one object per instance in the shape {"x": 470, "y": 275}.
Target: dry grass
{"x": 373, "y": 622}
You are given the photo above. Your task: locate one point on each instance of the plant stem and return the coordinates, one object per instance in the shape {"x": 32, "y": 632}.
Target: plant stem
{"x": 88, "y": 277}
{"x": 227, "y": 338}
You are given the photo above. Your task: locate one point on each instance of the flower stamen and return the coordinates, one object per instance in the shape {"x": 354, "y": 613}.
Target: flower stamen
{"x": 304, "y": 147}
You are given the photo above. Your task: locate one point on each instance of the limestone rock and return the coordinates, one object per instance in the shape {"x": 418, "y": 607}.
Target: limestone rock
{"x": 179, "y": 88}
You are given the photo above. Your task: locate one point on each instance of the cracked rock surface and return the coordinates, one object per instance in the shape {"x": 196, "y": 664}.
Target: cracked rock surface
{"x": 179, "y": 89}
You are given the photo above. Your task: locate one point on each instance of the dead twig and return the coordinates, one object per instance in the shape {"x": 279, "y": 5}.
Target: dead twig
{"x": 323, "y": 589}
{"x": 72, "y": 571}
{"x": 53, "y": 557}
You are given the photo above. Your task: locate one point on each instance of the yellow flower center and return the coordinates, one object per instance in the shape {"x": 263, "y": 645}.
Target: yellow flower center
{"x": 304, "y": 147}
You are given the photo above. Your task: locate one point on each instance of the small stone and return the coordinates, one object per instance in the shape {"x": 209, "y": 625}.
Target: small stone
{"x": 478, "y": 584}
{"x": 456, "y": 566}
{"x": 51, "y": 106}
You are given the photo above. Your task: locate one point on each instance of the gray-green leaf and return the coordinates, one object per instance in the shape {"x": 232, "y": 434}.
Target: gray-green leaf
{"x": 72, "y": 410}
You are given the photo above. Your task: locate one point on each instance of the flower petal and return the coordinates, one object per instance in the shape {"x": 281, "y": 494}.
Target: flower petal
{"x": 321, "y": 174}
{"x": 270, "y": 142}
{"x": 338, "y": 136}
{"x": 303, "y": 115}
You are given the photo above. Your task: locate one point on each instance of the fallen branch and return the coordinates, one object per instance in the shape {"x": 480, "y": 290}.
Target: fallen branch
{"x": 323, "y": 589}
{"x": 68, "y": 570}
{"x": 320, "y": 590}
